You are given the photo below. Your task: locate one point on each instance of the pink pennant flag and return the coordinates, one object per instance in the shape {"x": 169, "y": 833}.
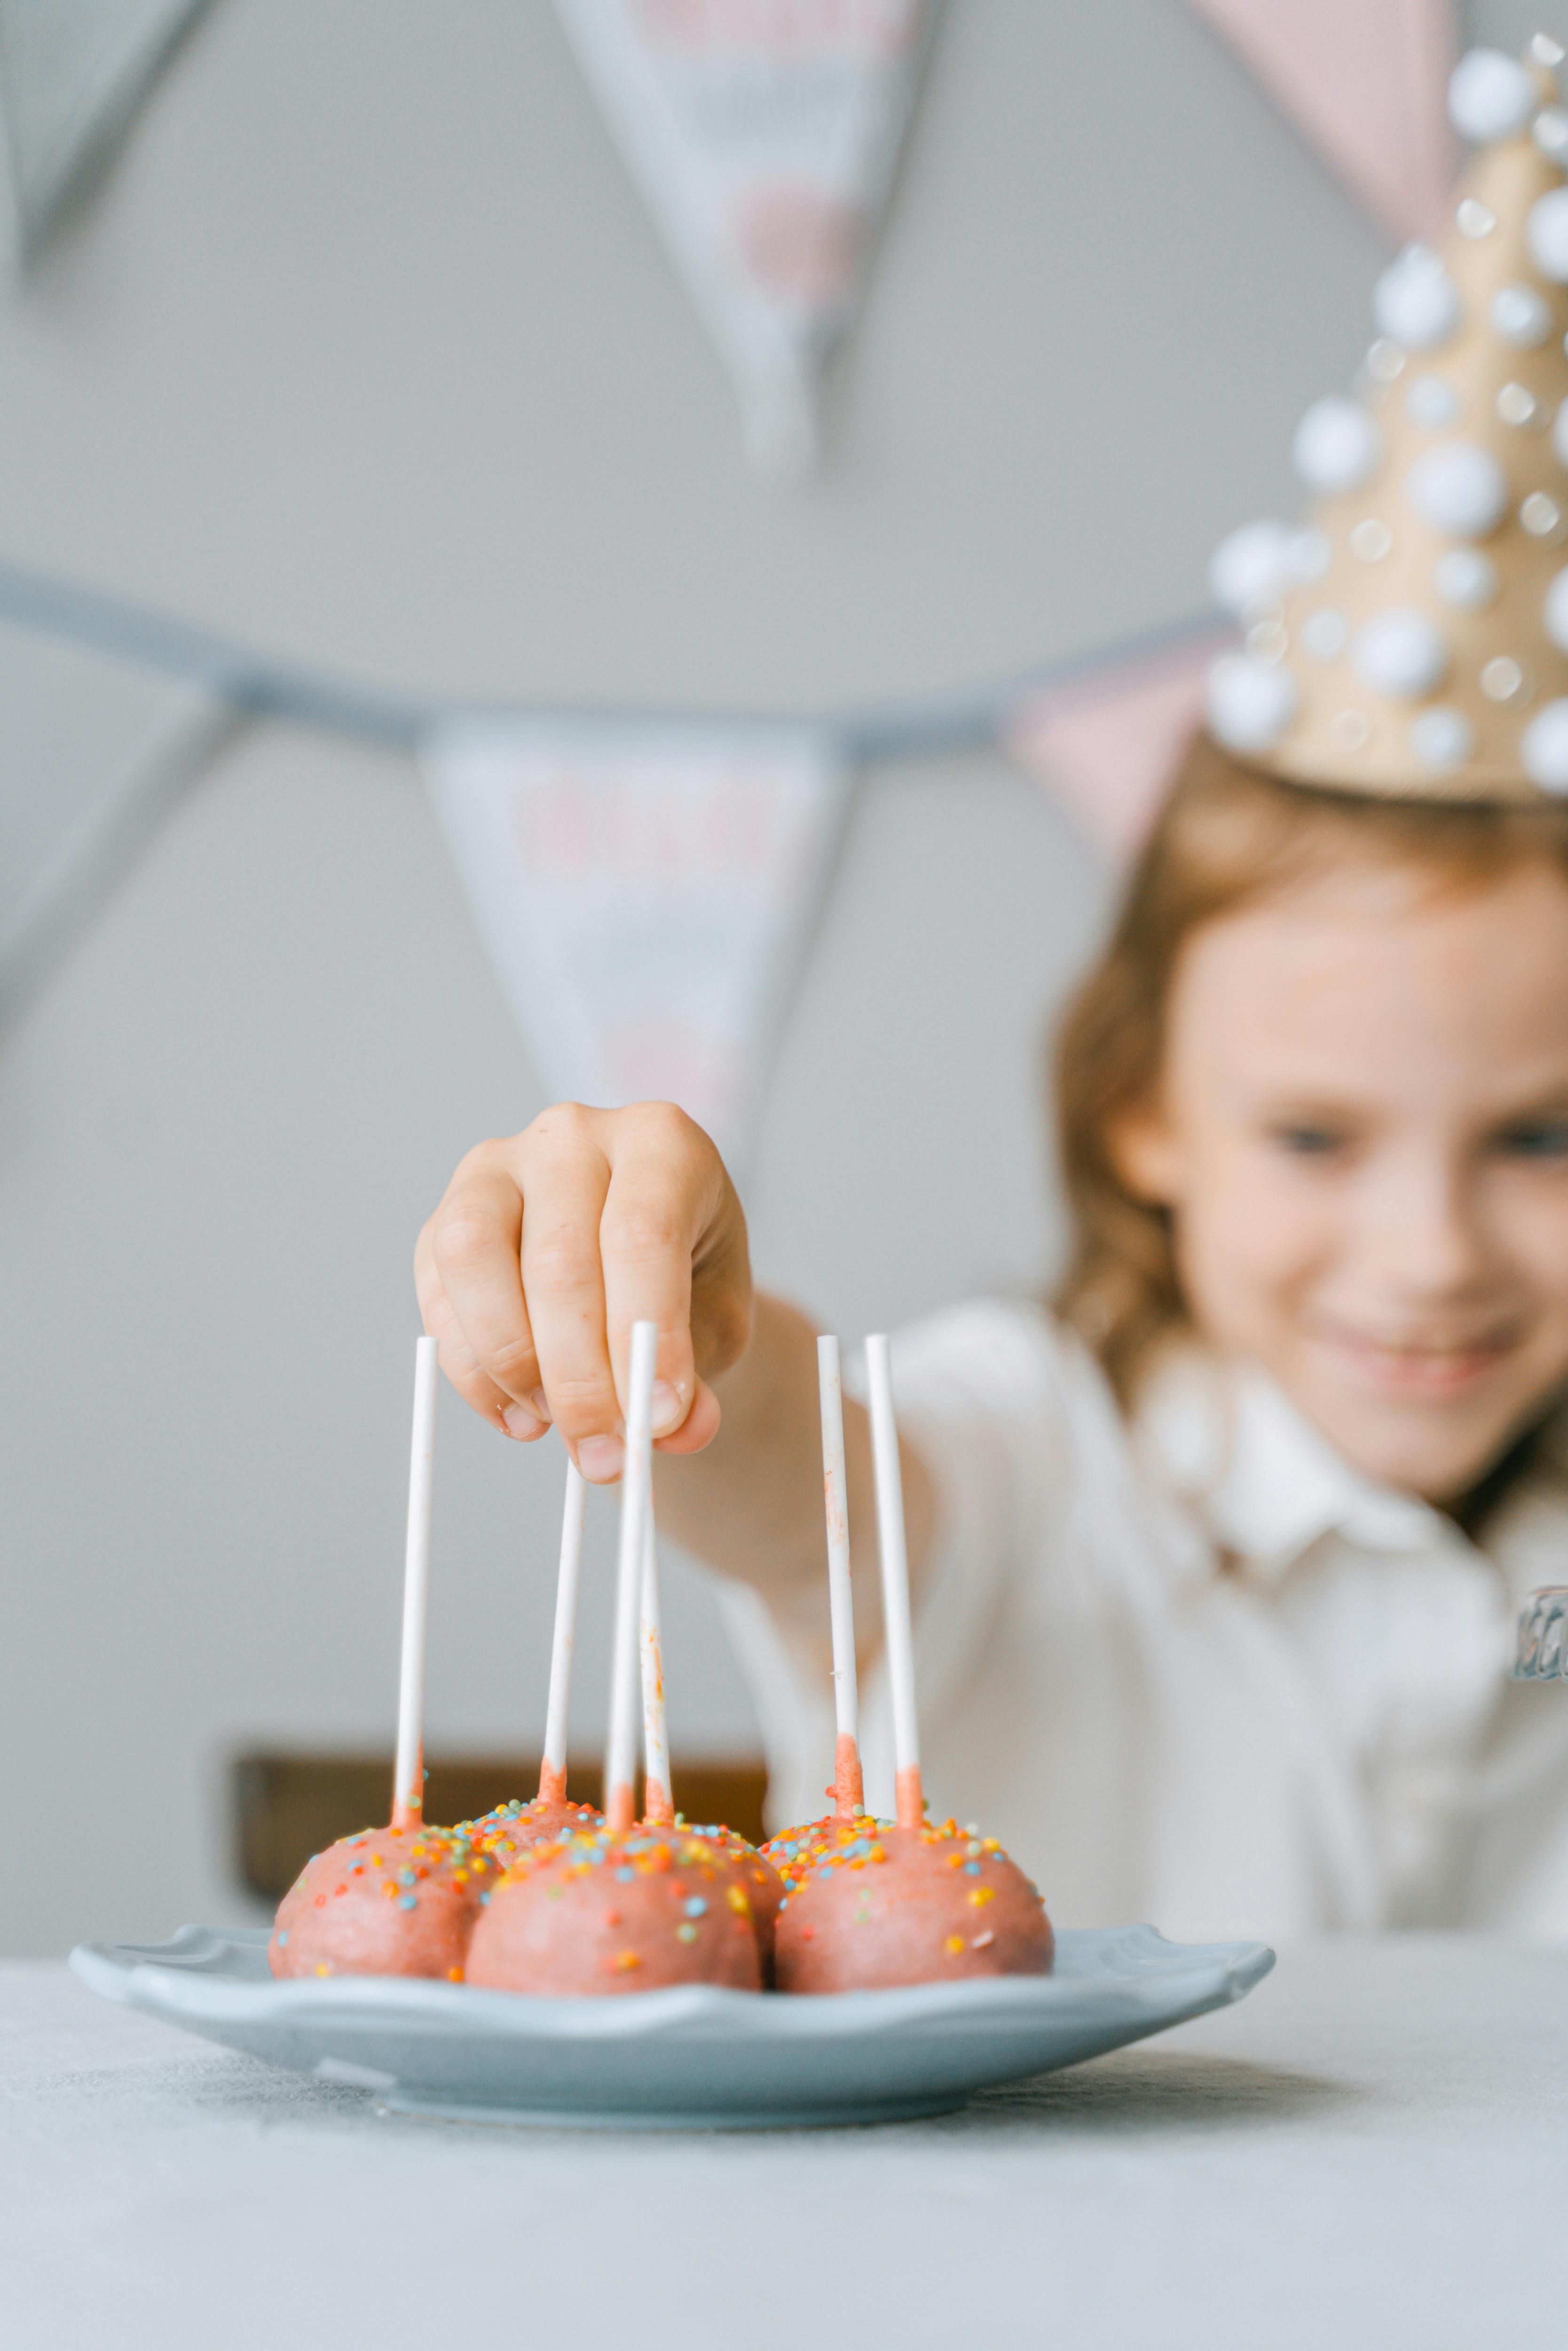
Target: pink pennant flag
{"x": 1367, "y": 80}
{"x": 1109, "y": 744}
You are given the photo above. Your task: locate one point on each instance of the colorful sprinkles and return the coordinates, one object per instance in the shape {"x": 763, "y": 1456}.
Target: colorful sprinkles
{"x": 820, "y": 1848}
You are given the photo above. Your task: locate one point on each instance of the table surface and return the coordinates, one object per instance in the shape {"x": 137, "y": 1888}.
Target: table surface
{"x": 1371, "y": 2149}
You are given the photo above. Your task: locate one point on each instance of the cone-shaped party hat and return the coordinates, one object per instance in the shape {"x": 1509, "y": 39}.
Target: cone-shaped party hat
{"x": 1412, "y": 636}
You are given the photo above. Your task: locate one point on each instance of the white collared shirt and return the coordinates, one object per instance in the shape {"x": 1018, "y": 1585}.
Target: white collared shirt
{"x": 1198, "y": 1670}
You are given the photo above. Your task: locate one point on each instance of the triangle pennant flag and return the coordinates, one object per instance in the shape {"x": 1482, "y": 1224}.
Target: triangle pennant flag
{"x": 92, "y": 751}
{"x": 645, "y": 895}
{"x": 1109, "y": 744}
{"x": 1367, "y": 80}
{"x": 73, "y": 76}
{"x": 764, "y": 136}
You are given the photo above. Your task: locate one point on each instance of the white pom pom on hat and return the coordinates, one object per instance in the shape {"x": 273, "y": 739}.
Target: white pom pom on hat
{"x": 1522, "y": 317}
{"x": 1253, "y": 565}
{"x": 1544, "y": 747}
{"x": 1431, "y": 403}
{"x": 1467, "y": 579}
{"x": 1416, "y": 301}
{"x": 1262, "y": 561}
{"x": 1546, "y": 235}
{"x": 1400, "y": 652}
{"x": 1490, "y": 96}
{"x": 1250, "y": 702}
{"x": 1337, "y": 446}
{"x": 1554, "y": 615}
{"x": 1441, "y": 739}
{"x": 1458, "y": 488}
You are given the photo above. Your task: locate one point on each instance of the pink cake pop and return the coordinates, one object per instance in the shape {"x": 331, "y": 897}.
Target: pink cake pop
{"x": 622, "y": 1907}
{"x": 872, "y": 1904}
{"x": 760, "y": 1880}
{"x": 403, "y": 1900}
{"x": 512, "y": 1829}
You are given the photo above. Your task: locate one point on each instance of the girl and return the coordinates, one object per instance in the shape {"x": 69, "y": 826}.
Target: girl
{"x": 1217, "y": 1563}
{"x": 1217, "y": 1567}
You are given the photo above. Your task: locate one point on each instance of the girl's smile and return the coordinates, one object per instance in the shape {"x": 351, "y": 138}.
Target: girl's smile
{"x": 1432, "y": 1369}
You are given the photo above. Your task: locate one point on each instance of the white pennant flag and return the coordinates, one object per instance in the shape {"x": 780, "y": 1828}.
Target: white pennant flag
{"x": 764, "y": 135}
{"x": 73, "y": 76}
{"x": 645, "y": 895}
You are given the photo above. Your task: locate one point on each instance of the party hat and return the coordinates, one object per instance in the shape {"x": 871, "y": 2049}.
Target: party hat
{"x": 1411, "y": 636}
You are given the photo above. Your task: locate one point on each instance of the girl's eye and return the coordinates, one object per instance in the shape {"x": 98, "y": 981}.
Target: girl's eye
{"x": 1545, "y": 1138}
{"x": 1309, "y": 1142}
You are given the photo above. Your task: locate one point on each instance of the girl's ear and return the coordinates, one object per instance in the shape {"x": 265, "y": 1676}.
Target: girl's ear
{"x": 1145, "y": 1154}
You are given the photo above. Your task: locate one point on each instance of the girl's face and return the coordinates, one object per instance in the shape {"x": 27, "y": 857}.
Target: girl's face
{"x": 1362, "y": 1137}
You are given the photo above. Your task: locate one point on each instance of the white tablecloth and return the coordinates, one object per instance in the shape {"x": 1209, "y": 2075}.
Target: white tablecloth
{"x": 1372, "y": 2151}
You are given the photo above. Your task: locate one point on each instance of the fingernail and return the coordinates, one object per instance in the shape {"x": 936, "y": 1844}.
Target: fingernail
{"x": 539, "y": 1403}
{"x": 522, "y": 1424}
{"x": 668, "y": 1406}
{"x": 600, "y": 1458}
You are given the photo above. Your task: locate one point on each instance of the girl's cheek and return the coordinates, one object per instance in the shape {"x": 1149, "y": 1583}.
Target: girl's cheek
{"x": 1273, "y": 1211}
{"x": 1253, "y": 1241}
{"x": 1528, "y": 1216}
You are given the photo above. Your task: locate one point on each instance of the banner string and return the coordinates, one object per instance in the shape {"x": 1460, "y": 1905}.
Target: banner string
{"x": 259, "y": 686}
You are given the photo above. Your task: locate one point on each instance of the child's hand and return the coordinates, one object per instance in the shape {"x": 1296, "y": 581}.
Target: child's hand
{"x": 548, "y": 1247}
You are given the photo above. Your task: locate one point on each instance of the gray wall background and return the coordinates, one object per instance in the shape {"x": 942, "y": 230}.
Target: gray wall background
{"x": 368, "y": 355}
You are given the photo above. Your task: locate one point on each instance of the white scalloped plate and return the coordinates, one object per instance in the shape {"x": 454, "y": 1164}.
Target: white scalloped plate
{"x": 689, "y": 2057}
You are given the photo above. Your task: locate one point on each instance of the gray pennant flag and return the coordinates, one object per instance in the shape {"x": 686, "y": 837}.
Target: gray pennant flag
{"x": 92, "y": 751}
{"x": 73, "y": 76}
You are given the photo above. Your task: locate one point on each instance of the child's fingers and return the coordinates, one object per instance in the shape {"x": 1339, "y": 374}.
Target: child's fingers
{"x": 565, "y": 1176}
{"x": 548, "y": 1248}
{"x": 455, "y": 1355}
{"x": 473, "y": 1251}
{"x": 699, "y": 1427}
{"x": 657, "y": 1208}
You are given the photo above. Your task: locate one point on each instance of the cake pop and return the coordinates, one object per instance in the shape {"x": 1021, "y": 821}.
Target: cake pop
{"x": 398, "y": 1901}
{"x": 403, "y": 1900}
{"x": 620, "y": 1908}
{"x": 511, "y": 1830}
{"x": 870, "y": 1904}
{"x": 758, "y": 1879}
{"x": 616, "y": 1910}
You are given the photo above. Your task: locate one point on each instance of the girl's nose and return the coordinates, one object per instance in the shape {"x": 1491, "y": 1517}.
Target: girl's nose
{"x": 1427, "y": 1235}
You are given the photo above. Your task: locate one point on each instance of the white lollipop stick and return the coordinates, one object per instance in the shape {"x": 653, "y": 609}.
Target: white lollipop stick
{"x": 911, "y": 1802}
{"x": 552, "y": 1770}
{"x": 849, "y": 1788}
{"x": 658, "y": 1803}
{"x": 408, "y": 1773}
{"x": 636, "y": 1495}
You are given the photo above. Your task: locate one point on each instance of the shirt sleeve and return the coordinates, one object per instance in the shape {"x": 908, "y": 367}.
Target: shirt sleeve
{"x": 978, "y": 1393}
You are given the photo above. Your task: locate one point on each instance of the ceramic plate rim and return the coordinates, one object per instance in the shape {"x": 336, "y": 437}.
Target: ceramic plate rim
{"x": 1172, "y": 1976}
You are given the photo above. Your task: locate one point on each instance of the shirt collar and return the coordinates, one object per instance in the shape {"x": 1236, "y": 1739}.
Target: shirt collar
{"x": 1265, "y": 1483}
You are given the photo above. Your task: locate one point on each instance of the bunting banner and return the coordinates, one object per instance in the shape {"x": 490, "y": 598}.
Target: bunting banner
{"x": 74, "y": 75}
{"x": 646, "y": 884}
{"x": 93, "y": 751}
{"x": 1367, "y": 82}
{"x": 1108, "y": 743}
{"x": 646, "y": 894}
{"x": 764, "y": 136}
